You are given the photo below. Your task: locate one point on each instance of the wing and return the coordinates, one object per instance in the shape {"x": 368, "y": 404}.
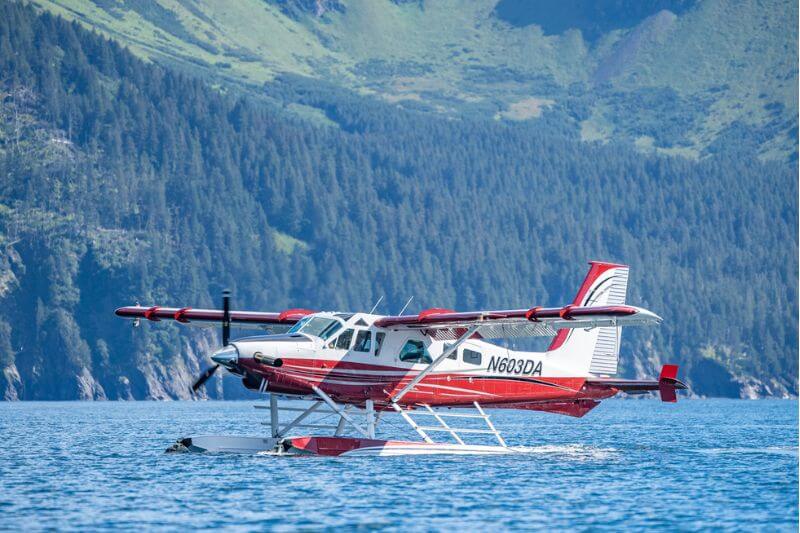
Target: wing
{"x": 443, "y": 324}
{"x": 200, "y": 317}
{"x": 600, "y": 302}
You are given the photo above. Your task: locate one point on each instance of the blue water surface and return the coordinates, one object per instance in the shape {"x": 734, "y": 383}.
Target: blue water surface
{"x": 627, "y": 465}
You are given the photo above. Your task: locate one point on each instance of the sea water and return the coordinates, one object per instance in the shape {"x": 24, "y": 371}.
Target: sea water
{"x": 627, "y": 465}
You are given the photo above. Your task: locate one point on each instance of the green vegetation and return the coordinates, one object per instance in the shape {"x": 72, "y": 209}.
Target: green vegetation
{"x": 684, "y": 73}
{"x": 126, "y": 180}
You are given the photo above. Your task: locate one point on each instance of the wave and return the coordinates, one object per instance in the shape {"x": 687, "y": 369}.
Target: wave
{"x": 775, "y": 450}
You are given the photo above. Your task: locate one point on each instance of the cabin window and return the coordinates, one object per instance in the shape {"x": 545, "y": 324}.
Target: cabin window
{"x": 414, "y": 351}
{"x": 453, "y": 355}
{"x": 343, "y": 341}
{"x": 379, "y": 336}
{"x": 363, "y": 341}
{"x": 472, "y": 357}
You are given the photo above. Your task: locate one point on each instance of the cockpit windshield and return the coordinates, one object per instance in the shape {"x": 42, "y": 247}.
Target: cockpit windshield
{"x": 317, "y": 326}
{"x": 299, "y": 325}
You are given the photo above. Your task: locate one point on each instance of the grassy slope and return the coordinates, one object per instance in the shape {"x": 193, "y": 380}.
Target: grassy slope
{"x": 747, "y": 47}
{"x": 249, "y": 40}
{"x": 726, "y": 62}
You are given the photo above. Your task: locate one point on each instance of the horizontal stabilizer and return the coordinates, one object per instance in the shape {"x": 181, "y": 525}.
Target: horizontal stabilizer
{"x": 667, "y": 384}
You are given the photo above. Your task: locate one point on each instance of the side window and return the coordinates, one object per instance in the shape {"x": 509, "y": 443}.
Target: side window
{"x": 414, "y": 352}
{"x": 472, "y": 357}
{"x": 453, "y": 355}
{"x": 363, "y": 341}
{"x": 343, "y": 340}
{"x": 379, "y": 336}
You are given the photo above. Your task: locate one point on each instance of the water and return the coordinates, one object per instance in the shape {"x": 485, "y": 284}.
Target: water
{"x": 627, "y": 465}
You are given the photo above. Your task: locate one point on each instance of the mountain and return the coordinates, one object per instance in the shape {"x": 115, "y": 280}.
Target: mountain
{"x": 161, "y": 180}
{"x": 685, "y": 77}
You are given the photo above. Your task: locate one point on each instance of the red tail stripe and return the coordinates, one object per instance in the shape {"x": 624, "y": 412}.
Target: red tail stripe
{"x": 668, "y": 372}
{"x": 595, "y": 270}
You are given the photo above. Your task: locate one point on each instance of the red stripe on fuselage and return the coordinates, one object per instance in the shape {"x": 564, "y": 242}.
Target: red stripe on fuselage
{"x": 351, "y": 382}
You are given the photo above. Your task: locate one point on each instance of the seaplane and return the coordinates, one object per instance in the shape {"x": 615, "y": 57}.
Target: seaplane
{"x": 429, "y": 368}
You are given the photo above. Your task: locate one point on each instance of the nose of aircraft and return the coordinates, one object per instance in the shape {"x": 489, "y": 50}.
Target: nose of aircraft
{"x": 226, "y": 356}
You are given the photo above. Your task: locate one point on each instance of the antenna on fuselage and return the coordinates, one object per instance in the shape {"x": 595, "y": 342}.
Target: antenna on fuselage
{"x": 374, "y": 307}
{"x": 405, "y": 306}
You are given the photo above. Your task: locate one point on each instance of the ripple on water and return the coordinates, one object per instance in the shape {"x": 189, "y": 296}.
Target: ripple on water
{"x": 626, "y": 465}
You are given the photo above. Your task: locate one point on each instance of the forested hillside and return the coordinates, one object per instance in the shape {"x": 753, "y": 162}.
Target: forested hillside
{"x": 124, "y": 181}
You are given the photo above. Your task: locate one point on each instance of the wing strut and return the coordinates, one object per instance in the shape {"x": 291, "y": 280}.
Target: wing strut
{"x": 452, "y": 348}
{"x": 327, "y": 399}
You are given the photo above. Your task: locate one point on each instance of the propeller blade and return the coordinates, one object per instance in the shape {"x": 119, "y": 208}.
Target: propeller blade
{"x": 226, "y": 335}
{"x": 226, "y": 316}
{"x": 205, "y": 376}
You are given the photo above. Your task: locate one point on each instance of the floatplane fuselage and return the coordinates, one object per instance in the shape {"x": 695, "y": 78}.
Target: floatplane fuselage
{"x": 348, "y": 363}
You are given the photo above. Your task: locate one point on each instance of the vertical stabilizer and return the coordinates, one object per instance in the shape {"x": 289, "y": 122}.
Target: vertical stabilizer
{"x": 595, "y": 351}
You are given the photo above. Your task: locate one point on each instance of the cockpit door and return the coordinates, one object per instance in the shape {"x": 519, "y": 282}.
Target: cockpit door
{"x": 339, "y": 345}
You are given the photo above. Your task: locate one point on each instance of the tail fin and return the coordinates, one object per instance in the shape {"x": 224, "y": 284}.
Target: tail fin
{"x": 668, "y": 382}
{"x": 595, "y": 351}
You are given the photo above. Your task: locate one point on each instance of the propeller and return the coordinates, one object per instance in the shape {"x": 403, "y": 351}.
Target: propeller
{"x": 226, "y": 316}
{"x": 226, "y": 335}
{"x": 205, "y": 376}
